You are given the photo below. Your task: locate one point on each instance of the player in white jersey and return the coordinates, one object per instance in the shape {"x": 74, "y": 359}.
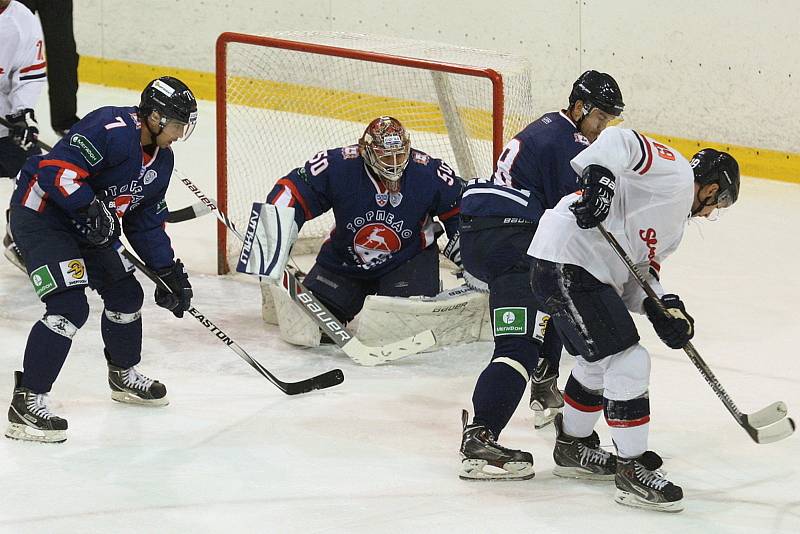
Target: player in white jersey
{"x": 644, "y": 193}
{"x": 22, "y": 76}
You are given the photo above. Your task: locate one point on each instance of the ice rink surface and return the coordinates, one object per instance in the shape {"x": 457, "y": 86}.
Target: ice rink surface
{"x": 379, "y": 453}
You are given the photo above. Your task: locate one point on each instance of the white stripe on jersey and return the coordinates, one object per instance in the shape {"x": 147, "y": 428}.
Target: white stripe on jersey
{"x": 34, "y": 198}
{"x": 67, "y": 181}
{"x": 284, "y": 198}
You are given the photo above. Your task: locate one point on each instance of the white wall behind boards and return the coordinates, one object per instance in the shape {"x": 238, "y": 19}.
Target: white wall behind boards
{"x": 714, "y": 70}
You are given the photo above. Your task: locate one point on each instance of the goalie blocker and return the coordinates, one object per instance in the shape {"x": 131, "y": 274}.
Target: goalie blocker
{"x": 271, "y": 232}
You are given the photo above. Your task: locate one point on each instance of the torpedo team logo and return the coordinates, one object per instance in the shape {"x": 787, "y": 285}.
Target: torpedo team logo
{"x": 375, "y": 242}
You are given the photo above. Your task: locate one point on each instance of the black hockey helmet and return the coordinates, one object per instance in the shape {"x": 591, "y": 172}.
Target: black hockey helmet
{"x": 172, "y": 100}
{"x": 597, "y": 89}
{"x": 714, "y": 167}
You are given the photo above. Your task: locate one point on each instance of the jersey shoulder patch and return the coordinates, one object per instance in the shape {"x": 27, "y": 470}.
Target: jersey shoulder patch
{"x": 420, "y": 157}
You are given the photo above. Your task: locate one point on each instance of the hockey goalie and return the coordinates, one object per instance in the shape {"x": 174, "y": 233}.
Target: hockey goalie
{"x": 381, "y": 260}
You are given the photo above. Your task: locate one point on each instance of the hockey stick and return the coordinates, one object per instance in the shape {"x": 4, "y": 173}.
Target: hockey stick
{"x": 764, "y": 426}
{"x": 325, "y": 380}
{"x": 350, "y": 345}
{"x": 198, "y": 209}
{"x": 42, "y": 144}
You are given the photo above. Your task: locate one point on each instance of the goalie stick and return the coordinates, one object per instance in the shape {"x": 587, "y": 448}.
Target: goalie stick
{"x": 198, "y": 209}
{"x": 350, "y": 345}
{"x": 325, "y": 380}
{"x": 768, "y": 424}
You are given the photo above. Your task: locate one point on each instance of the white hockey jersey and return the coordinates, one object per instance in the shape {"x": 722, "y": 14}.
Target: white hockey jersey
{"x": 648, "y": 214}
{"x": 22, "y": 60}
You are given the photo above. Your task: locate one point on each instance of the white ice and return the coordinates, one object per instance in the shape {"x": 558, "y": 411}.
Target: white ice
{"x": 379, "y": 453}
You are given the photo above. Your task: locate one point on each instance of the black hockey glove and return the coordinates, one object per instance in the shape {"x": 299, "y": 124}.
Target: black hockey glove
{"x": 598, "y": 184}
{"x": 452, "y": 251}
{"x": 100, "y": 223}
{"x": 179, "y": 298}
{"x": 676, "y": 327}
{"x": 23, "y": 130}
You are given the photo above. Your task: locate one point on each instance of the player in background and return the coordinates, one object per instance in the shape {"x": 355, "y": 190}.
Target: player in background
{"x": 22, "y": 77}
{"x": 384, "y": 196}
{"x": 498, "y": 219}
{"x": 109, "y": 175}
{"x": 644, "y": 192}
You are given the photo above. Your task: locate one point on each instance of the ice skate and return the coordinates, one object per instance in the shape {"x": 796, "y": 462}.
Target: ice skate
{"x": 12, "y": 254}
{"x": 29, "y": 418}
{"x": 483, "y": 459}
{"x": 642, "y": 485}
{"x": 546, "y": 399}
{"x": 581, "y": 457}
{"x": 132, "y": 387}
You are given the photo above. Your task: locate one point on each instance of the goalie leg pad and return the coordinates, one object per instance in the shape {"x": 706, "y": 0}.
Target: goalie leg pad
{"x": 455, "y": 316}
{"x": 296, "y": 327}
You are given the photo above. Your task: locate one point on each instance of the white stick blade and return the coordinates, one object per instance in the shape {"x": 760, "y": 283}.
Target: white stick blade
{"x": 366, "y": 355}
{"x": 775, "y": 432}
{"x": 769, "y": 415}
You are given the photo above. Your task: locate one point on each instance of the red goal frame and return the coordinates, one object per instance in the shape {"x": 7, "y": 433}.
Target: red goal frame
{"x": 221, "y": 95}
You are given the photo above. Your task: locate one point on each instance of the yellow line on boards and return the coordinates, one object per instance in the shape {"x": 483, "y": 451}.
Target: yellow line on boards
{"x": 756, "y": 162}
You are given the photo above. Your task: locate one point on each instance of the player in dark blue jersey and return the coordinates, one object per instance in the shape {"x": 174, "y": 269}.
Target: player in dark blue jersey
{"x": 384, "y": 196}
{"x": 109, "y": 175}
{"x": 499, "y": 216}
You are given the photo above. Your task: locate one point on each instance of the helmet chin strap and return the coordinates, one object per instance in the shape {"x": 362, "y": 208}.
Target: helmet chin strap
{"x": 703, "y": 203}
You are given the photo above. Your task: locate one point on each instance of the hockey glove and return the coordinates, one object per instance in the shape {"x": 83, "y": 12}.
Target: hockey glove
{"x": 101, "y": 225}
{"x": 179, "y": 298}
{"x": 452, "y": 251}
{"x": 598, "y": 184}
{"x": 23, "y": 130}
{"x": 675, "y": 327}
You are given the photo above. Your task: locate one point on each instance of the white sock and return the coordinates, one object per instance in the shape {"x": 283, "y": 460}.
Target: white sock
{"x": 631, "y": 441}
{"x": 579, "y": 424}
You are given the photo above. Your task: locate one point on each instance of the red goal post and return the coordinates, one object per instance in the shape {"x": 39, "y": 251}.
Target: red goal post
{"x": 275, "y": 94}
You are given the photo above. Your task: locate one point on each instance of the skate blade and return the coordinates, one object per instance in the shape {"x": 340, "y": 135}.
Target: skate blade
{"x": 26, "y": 433}
{"x": 543, "y": 417}
{"x": 480, "y": 470}
{"x": 579, "y": 472}
{"x": 130, "y": 398}
{"x": 14, "y": 259}
{"x": 626, "y": 498}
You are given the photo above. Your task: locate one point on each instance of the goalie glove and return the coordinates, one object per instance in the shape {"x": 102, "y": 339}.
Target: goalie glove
{"x": 271, "y": 232}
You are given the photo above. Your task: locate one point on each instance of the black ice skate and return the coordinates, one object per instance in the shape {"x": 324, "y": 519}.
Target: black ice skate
{"x": 483, "y": 459}
{"x": 546, "y": 399}
{"x": 641, "y": 484}
{"x": 29, "y": 418}
{"x": 581, "y": 457}
{"x": 132, "y": 387}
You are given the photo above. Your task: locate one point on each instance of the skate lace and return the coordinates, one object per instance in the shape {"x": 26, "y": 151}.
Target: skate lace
{"x": 37, "y": 405}
{"x": 653, "y": 479}
{"x": 593, "y": 456}
{"x": 136, "y": 380}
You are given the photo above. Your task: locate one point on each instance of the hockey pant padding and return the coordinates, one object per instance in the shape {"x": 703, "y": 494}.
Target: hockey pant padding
{"x": 590, "y": 317}
{"x": 344, "y": 295}
{"x": 51, "y": 338}
{"x": 497, "y": 393}
{"x": 121, "y": 323}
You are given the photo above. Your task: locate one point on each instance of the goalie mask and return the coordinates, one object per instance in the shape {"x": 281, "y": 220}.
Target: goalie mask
{"x": 385, "y": 147}
{"x": 173, "y": 101}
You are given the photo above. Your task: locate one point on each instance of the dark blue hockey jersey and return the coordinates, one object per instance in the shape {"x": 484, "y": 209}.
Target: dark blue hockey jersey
{"x": 102, "y": 157}
{"x": 375, "y": 231}
{"x": 533, "y": 172}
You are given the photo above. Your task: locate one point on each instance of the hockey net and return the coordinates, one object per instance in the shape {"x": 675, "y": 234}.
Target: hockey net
{"x": 285, "y": 97}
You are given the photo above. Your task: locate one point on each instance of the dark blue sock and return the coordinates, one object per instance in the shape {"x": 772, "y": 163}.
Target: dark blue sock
{"x": 45, "y": 354}
{"x": 497, "y": 394}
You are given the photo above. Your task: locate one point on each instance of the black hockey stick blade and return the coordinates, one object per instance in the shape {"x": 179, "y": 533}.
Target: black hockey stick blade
{"x": 325, "y": 380}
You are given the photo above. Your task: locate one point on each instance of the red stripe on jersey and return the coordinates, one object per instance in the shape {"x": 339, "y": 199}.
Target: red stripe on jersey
{"x": 29, "y": 68}
{"x": 82, "y": 173}
{"x": 38, "y": 202}
{"x": 297, "y": 196}
{"x": 627, "y": 423}
{"x": 655, "y": 265}
{"x": 581, "y": 407}
{"x": 649, "y": 156}
{"x": 446, "y": 215}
